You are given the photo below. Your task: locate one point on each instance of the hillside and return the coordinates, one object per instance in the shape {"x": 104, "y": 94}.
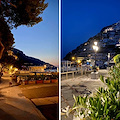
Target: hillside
{"x": 27, "y": 60}
{"x": 107, "y": 39}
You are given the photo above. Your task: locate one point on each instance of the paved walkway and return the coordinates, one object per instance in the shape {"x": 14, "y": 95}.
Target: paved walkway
{"x": 45, "y": 97}
{"x": 14, "y": 106}
{"x": 79, "y": 86}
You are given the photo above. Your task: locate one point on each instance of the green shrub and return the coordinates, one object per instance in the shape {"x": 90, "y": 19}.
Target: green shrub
{"x": 104, "y": 104}
{"x": 117, "y": 59}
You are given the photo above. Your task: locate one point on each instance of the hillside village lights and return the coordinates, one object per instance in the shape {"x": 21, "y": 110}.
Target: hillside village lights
{"x": 95, "y": 48}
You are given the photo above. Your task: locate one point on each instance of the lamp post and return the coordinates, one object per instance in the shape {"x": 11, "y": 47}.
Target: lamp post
{"x": 78, "y": 62}
{"x": 73, "y": 60}
{"x": 108, "y": 59}
{"x": 95, "y": 48}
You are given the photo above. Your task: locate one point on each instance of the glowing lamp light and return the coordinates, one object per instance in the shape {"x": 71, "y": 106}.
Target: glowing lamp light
{"x": 45, "y": 66}
{"x": 95, "y": 48}
{"x": 79, "y": 61}
{"x": 11, "y": 67}
{"x": 16, "y": 69}
{"x": 95, "y": 43}
{"x": 73, "y": 58}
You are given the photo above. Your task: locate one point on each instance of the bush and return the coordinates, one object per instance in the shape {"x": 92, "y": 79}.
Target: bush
{"x": 104, "y": 104}
{"x": 117, "y": 59}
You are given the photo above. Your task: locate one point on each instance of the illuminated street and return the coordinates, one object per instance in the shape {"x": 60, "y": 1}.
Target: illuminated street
{"x": 14, "y": 106}
{"x": 45, "y": 97}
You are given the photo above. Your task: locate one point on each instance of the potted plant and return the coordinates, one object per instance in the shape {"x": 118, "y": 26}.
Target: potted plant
{"x": 47, "y": 79}
{"x": 31, "y": 80}
{"x": 54, "y": 79}
{"x": 40, "y": 79}
{"x": 25, "y": 81}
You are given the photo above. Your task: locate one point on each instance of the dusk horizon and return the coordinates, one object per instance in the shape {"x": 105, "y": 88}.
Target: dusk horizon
{"x": 41, "y": 41}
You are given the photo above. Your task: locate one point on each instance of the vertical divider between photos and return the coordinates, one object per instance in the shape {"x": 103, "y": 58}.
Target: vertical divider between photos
{"x": 59, "y": 59}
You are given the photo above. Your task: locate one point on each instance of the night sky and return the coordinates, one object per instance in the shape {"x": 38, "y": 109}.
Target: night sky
{"x": 82, "y": 19}
{"x": 42, "y": 40}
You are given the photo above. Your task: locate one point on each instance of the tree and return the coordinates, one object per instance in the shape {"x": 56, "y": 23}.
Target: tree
{"x": 6, "y": 37}
{"x": 14, "y": 13}
{"x": 22, "y": 12}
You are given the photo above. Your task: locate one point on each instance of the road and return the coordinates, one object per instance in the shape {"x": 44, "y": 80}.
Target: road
{"x": 14, "y": 105}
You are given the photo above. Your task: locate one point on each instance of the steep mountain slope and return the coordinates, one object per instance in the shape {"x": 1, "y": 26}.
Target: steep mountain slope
{"x": 107, "y": 39}
{"x": 26, "y": 60}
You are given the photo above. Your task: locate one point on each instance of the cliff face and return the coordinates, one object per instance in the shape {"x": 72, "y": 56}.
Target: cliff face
{"x": 107, "y": 39}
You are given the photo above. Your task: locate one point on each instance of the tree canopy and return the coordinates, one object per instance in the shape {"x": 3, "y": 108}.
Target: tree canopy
{"x": 22, "y": 12}
{"x": 14, "y": 13}
{"x": 6, "y": 37}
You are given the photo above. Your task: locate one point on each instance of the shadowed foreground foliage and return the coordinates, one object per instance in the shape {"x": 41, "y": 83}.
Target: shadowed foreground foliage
{"x": 14, "y": 13}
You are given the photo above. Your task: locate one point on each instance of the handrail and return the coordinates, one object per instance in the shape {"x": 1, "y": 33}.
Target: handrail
{"x": 66, "y": 73}
{"x": 70, "y": 71}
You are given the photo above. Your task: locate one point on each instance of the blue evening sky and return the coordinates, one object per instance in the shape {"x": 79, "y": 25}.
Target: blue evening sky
{"x": 82, "y": 19}
{"x": 41, "y": 41}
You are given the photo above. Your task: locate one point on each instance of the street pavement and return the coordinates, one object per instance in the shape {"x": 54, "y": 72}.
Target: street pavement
{"x": 81, "y": 85}
{"x": 45, "y": 97}
{"x": 13, "y": 104}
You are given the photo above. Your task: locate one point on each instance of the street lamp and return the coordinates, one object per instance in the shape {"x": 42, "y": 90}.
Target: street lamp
{"x": 108, "y": 59}
{"x": 95, "y": 48}
{"x": 79, "y": 61}
{"x": 73, "y": 58}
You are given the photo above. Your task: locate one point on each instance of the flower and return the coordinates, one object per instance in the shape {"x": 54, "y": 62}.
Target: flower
{"x": 66, "y": 110}
{"x": 102, "y": 99}
{"x": 118, "y": 95}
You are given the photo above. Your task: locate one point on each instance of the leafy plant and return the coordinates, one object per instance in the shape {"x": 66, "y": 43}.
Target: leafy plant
{"x": 14, "y": 13}
{"x": 42, "y": 77}
{"x": 117, "y": 58}
{"x": 54, "y": 76}
{"x": 104, "y": 104}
